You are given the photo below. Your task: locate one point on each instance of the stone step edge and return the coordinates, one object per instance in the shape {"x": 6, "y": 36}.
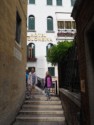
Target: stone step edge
{"x": 41, "y": 118}
{"x": 41, "y": 106}
{"x": 42, "y": 101}
{"x": 43, "y": 112}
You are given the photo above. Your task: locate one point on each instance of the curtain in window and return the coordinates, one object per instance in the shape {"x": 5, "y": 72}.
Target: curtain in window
{"x": 31, "y": 22}
{"x": 49, "y": 23}
{"x": 73, "y": 25}
{"x": 60, "y": 24}
{"x": 67, "y": 24}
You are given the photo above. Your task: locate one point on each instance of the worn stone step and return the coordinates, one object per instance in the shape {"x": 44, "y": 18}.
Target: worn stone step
{"x": 42, "y": 102}
{"x": 39, "y": 123}
{"x": 48, "y": 112}
{"x": 26, "y": 118}
{"x": 25, "y": 106}
{"x": 43, "y": 98}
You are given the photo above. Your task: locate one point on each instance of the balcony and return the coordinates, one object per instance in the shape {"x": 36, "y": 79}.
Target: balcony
{"x": 31, "y": 59}
{"x": 66, "y": 33}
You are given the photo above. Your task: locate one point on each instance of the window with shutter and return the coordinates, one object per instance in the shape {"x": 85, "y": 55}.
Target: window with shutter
{"x": 59, "y": 2}
{"x": 31, "y": 1}
{"x": 51, "y": 70}
{"x": 49, "y": 2}
{"x": 31, "y": 22}
{"x": 50, "y": 23}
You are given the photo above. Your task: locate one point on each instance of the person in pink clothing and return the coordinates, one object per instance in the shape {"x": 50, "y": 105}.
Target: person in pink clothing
{"x": 48, "y": 84}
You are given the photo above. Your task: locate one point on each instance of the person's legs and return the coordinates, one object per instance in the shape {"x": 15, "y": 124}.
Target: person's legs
{"x": 32, "y": 90}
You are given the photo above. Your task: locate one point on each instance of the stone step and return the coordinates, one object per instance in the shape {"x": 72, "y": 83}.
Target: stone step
{"x": 40, "y": 123}
{"x": 25, "y": 106}
{"x": 42, "y": 102}
{"x": 26, "y": 118}
{"x": 37, "y": 112}
{"x": 43, "y": 98}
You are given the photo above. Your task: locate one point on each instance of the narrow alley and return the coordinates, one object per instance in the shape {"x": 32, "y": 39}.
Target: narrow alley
{"x": 40, "y": 111}
{"x": 47, "y": 44}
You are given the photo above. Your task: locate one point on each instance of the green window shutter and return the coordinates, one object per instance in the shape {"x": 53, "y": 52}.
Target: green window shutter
{"x": 72, "y": 2}
{"x": 51, "y": 70}
{"x": 31, "y": 1}
{"x": 33, "y": 51}
{"x": 31, "y": 23}
{"x": 49, "y": 24}
{"x": 59, "y": 2}
{"x": 49, "y": 2}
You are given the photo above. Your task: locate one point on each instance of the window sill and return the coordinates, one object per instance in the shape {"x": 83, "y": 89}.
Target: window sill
{"x": 50, "y": 31}
{"x": 31, "y": 59}
{"x": 31, "y": 30}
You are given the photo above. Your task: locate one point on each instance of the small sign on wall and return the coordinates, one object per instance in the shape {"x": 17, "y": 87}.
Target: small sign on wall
{"x": 17, "y": 54}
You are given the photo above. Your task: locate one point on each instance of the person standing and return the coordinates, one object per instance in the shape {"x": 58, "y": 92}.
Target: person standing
{"x": 48, "y": 84}
{"x": 26, "y": 77}
{"x": 32, "y": 81}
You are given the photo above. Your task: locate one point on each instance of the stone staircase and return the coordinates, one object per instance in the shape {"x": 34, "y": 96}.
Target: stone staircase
{"x": 39, "y": 111}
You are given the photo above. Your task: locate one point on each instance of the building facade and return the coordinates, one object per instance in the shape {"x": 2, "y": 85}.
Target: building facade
{"x": 83, "y": 13}
{"x": 48, "y": 22}
{"x": 12, "y": 58}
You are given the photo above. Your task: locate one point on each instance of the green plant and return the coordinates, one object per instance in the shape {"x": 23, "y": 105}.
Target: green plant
{"x": 57, "y": 52}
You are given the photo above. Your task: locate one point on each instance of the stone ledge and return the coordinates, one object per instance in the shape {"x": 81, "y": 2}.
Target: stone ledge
{"x": 72, "y": 96}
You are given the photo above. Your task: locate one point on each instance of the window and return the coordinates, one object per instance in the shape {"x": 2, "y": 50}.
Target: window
{"x": 31, "y": 22}
{"x": 60, "y": 24}
{"x": 31, "y": 51}
{"x": 72, "y": 2}
{"x": 18, "y": 28}
{"x": 67, "y": 24}
{"x": 59, "y": 2}
{"x": 48, "y": 47}
{"x": 73, "y": 25}
{"x": 31, "y": 1}
{"x": 49, "y": 2}
{"x": 49, "y": 23}
{"x": 51, "y": 71}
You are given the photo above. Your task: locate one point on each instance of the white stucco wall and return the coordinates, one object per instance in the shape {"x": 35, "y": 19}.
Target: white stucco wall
{"x": 41, "y": 11}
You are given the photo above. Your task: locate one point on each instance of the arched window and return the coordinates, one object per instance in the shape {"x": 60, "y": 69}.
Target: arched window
{"x": 48, "y": 47}
{"x": 49, "y": 23}
{"x": 31, "y": 51}
{"x": 31, "y": 22}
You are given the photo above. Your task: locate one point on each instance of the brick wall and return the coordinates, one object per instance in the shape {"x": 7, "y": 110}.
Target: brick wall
{"x": 12, "y": 59}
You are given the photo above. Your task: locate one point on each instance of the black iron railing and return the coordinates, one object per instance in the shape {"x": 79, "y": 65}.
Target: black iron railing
{"x": 70, "y": 72}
